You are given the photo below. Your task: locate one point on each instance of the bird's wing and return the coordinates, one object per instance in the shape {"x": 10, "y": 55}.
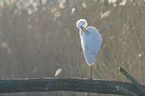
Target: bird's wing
{"x": 91, "y": 44}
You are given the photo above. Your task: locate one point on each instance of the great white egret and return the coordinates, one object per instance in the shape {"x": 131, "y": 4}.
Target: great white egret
{"x": 91, "y": 41}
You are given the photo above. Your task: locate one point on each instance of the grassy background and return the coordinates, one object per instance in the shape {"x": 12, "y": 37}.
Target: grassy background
{"x": 38, "y": 38}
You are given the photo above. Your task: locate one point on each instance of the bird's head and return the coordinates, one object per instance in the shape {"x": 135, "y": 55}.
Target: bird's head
{"x": 81, "y": 22}
{"x": 81, "y": 25}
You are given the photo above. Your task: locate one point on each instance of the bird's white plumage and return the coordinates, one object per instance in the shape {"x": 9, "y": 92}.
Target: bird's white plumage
{"x": 81, "y": 22}
{"x": 90, "y": 42}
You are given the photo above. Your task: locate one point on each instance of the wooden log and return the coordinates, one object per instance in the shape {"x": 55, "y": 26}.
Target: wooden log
{"x": 65, "y": 84}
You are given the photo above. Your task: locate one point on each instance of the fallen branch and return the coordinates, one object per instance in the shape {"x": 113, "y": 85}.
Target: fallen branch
{"x": 138, "y": 85}
{"x": 125, "y": 91}
{"x": 65, "y": 84}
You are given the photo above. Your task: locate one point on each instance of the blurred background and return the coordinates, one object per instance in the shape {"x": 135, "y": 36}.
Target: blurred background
{"x": 39, "y": 39}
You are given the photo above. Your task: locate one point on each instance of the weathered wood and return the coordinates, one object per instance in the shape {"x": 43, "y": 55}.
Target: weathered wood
{"x": 125, "y": 91}
{"x": 137, "y": 84}
{"x": 64, "y": 84}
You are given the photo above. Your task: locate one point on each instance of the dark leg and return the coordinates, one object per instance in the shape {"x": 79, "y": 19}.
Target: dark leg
{"x": 91, "y": 72}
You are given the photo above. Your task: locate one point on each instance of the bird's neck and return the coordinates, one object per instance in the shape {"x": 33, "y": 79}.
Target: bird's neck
{"x": 80, "y": 32}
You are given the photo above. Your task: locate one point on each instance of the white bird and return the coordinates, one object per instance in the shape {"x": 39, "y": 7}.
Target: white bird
{"x": 91, "y": 41}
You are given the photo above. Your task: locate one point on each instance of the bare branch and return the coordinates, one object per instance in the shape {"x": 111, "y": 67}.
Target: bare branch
{"x": 125, "y": 91}
{"x": 65, "y": 84}
{"x": 138, "y": 85}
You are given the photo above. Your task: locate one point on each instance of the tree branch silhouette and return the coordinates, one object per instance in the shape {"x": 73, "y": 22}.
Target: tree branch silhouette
{"x": 71, "y": 84}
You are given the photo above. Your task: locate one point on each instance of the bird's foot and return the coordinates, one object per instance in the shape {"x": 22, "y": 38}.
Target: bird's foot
{"x": 90, "y": 78}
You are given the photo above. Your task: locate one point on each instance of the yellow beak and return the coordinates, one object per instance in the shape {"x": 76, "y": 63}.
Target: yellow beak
{"x": 85, "y": 30}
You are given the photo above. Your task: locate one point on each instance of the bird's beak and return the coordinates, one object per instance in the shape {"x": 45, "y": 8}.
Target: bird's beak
{"x": 85, "y": 30}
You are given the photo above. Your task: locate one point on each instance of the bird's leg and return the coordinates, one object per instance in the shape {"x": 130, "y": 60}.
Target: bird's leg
{"x": 91, "y": 69}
